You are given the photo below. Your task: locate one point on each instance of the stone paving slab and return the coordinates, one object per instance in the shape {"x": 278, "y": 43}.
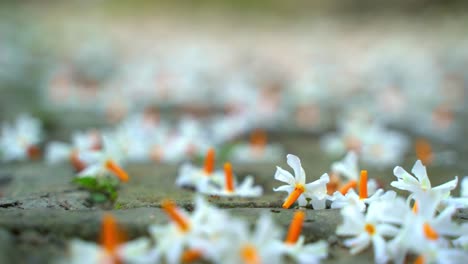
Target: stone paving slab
{"x": 150, "y": 182}
{"x": 48, "y": 230}
{"x": 40, "y": 209}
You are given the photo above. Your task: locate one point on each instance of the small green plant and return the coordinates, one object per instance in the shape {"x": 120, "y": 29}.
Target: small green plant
{"x": 101, "y": 189}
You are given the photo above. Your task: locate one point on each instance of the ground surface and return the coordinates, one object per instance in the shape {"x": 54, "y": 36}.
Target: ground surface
{"x": 40, "y": 209}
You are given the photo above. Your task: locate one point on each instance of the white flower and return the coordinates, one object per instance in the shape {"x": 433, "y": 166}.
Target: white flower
{"x": 420, "y": 183}
{"x": 19, "y": 141}
{"x": 294, "y": 246}
{"x": 258, "y": 150}
{"x": 462, "y": 201}
{"x": 423, "y": 233}
{"x": 374, "y": 143}
{"x": 246, "y": 153}
{"x": 297, "y": 188}
{"x": 352, "y": 198}
{"x": 435, "y": 253}
{"x": 310, "y": 253}
{"x": 81, "y": 142}
{"x": 231, "y": 188}
{"x": 187, "y": 232}
{"x": 200, "y": 178}
{"x": 101, "y": 163}
{"x": 112, "y": 249}
{"x": 366, "y": 229}
{"x": 383, "y": 147}
{"x": 245, "y": 246}
{"x": 348, "y": 168}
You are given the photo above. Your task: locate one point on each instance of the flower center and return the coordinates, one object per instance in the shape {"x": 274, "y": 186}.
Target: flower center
{"x": 429, "y": 232}
{"x": 176, "y": 216}
{"x": 415, "y": 207}
{"x": 228, "y": 176}
{"x": 250, "y": 255}
{"x": 294, "y": 195}
{"x": 209, "y": 162}
{"x": 370, "y": 229}
{"x": 117, "y": 170}
{"x": 295, "y": 228}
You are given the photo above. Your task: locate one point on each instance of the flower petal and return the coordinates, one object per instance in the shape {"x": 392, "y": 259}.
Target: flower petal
{"x": 295, "y": 163}
{"x": 284, "y": 176}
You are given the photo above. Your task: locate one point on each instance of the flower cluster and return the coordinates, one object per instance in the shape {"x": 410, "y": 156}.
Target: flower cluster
{"x": 202, "y": 235}
{"x": 144, "y": 138}
{"x": 374, "y": 143}
{"x": 426, "y": 230}
{"x": 207, "y": 180}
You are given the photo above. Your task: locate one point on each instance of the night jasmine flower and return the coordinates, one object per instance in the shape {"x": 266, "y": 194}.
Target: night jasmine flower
{"x": 296, "y": 186}
{"x": 20, "y": 141}
{"x": 231, "y": 188}
{"x": 111, "y": 250}
{"x": 104, "y": 162}
{"x": 294, "y": 247}
{"x": 200, "y": 178}
{"x": 419, "y": 184}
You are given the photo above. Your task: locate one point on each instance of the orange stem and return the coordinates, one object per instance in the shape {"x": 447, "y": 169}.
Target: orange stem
{"x": 171, "y": 210}
{"x": 420, "y": 260}
{"x": 229, "y": 178}
{"x": 293, "y": 196}
{"x": 295, "y": 228}
{"x": 191, "y": 255}
{"x": 363, "y": 185}
{"x": 110, "y": 234}
{"x": 209, "y": 161}
{"x": 424, "y": 151}
{"x": 117, "y": 170}
{"x": 348, "y": 186}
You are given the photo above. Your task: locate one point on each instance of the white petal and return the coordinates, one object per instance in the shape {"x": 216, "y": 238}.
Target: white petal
{"x": 284, "y": 188}
{"x": 419, "y": 170}
{"x": 447, "y": 187}
{"x": 295, "y": 163}
{"x": 284, "y": 176}
{"x": 380, "y": 254}
{"x": 358, "y": 244}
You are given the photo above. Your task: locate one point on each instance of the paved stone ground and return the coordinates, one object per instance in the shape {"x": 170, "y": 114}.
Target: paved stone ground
{"x": 40, "y": 209}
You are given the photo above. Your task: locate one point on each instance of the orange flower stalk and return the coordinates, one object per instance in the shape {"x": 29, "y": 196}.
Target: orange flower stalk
{"x": 111, "y": 237}
{"x": 117, "y": 170}
{"x": 295, "y": 228}
{"x": 363, "y": 185}
{"x": 292, "y": 198}
{"x": 229, "y": 177}
{"x": 209, "y": 166}
{"x": 424, "y": 151}
{"x": 176, "y": 216}
{"x": 348, "y": 186}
